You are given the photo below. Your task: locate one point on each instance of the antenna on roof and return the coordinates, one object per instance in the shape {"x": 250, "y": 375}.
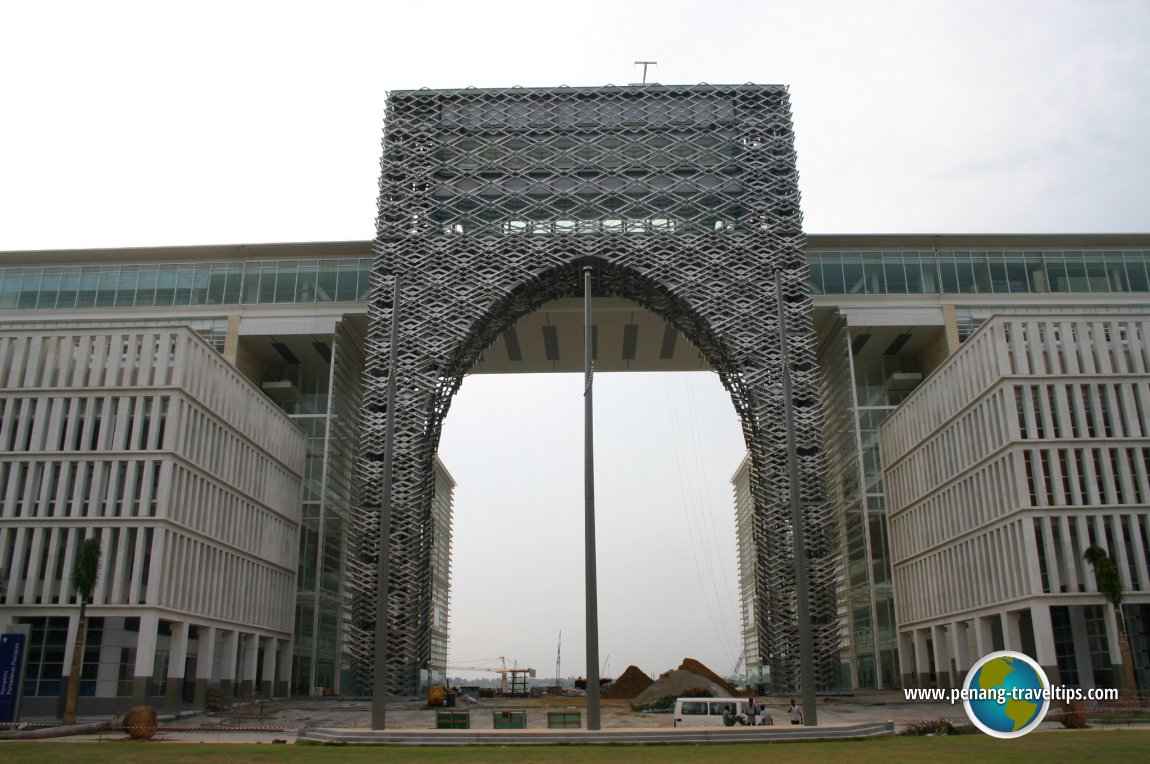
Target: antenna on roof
{"x": 646, "y": 64}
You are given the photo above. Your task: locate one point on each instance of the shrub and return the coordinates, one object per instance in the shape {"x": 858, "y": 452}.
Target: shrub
{"x": 665, "y": 703}
{"x": 936, "y": 727}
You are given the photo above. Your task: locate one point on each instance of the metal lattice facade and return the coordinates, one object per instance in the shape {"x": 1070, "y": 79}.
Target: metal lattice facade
{"x": 684, "y": 200}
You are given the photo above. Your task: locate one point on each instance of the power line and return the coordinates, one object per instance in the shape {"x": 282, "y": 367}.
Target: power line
{"x": 691, "y": 500}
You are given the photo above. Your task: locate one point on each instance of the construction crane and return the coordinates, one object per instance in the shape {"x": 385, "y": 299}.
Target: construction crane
{"x": 558, "y": 656}
{"x": 512, "y": 681}
{"x": 735, "y": 670}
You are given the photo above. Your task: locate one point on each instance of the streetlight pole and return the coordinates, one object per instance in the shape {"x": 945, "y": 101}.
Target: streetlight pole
{"x": 802, "y": 604}
{"x": 589, "y": 511}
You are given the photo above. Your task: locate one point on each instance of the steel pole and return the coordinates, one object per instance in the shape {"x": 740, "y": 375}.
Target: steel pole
{"x": 383, "y": 564}
{"x": 802, "y": 604}
{"x": 589, "y": 512}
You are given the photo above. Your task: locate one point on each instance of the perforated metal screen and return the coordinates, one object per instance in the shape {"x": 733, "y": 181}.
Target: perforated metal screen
{"x": 684, "y": 200}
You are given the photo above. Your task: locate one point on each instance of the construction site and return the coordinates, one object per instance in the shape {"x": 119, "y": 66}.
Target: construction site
{"x": 691, "y": 678}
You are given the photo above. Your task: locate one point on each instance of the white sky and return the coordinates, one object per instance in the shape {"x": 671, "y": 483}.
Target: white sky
{"x": 165, "y": 123}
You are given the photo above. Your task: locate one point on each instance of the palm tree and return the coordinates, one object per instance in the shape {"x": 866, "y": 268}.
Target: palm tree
{"x": 84, "y": 576}
{"x": 1110, "y": 585}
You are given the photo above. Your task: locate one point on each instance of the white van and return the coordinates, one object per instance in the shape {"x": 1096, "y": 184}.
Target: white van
{"x": 710, "y": 712}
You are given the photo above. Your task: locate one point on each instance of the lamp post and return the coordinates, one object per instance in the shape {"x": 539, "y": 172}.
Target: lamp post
{"x": 802, "y": 605}
{"x": 589, "y": 511}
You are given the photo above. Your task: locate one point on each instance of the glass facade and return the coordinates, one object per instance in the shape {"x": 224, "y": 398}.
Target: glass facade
{"x": 253, "y": 282}
{"x": 853, "y": 413}
{"x": 440, "y": 574}
{"x": 263, "y": 282}
{"x": 870, "y": 595}
{"x": 979, "y": 272}
{"x": 843, "y": 484}
{"x": 758, "y": 671}
{"x": 326, "y": 410}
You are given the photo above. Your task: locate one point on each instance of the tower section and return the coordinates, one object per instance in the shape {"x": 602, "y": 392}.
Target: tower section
{"x": 682, "y": 199}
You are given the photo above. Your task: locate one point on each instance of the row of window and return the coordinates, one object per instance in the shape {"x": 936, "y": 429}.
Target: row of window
{"x": 34, "y": 563}
{"x": 47, "y": 650}
{"x": 1086, "y": 410}
{"x": 1053, "y": 346}
{"x": 105, "y": 488}
{"x": 219, "y": 450}
{"x": 1060, "y": 541}
{"x": 349, "y": 280}
{"x": 950, "y": 388}
{"x": 101, "y": 358}
{"x": 954, "y": 272}
{"x": 963, "y": 442}
{"x": 108, "y": 668}
{"x": 973, "y": 500}
{"x": 564, "y": 110}
{"x": 565, "y": 152}
{"x": 1087, "y": 477}
{"x": 1097, "y": 646}
{"x": 1083, "y": 346}
{"x": 206, "y": 579}
{"x": 226, "y": 517}
{"x": 940, "y": 583}
{"x": 82, "y": 423}
{"x": 221, "y": 389}
{"x": 174, "y": 284}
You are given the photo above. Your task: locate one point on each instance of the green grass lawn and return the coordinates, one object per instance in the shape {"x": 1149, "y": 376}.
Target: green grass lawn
{"x": 1111, "y": 746}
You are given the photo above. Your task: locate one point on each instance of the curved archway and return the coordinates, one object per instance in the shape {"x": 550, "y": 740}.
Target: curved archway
{"x": 608, "y": 280}
{"x": 442, "y": 335}
{"x": 686, "y": 199}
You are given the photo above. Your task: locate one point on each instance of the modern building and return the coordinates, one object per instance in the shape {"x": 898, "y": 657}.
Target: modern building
{"x": 756, "y": 669}
{"x": 888, "y": 311}
{"x": 189, "y": 477}
{"x": 245, "y": 300}
{"x": 441, "y": 521}
{"x": 1023, "y": 449}
{"x": 684, "y": 201}
{"x": 290, "y": 319}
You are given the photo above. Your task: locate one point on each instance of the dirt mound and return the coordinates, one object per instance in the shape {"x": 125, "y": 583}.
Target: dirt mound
{"x": 679, "y": 684}
{"x": 692, "y": 665}
{"x": 629, "y": 684}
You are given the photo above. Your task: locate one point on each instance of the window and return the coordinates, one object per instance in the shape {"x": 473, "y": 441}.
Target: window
{"x": 47, "y": 651}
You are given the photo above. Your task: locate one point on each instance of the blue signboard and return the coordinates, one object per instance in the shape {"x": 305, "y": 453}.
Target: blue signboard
{"x": 11, "y": 663}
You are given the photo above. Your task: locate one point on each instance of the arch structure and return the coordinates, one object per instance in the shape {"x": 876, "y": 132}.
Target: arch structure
{"x": 683, "y": 199}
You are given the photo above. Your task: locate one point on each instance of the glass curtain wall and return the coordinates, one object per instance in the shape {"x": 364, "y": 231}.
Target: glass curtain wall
{"x": 263, "y": 282}
{"x": 875, "y": 399}
{"x": 979, "y": 272}
{"x": 843, "y": 485}
{"x": 326, "y": 410}
{"x": 254, "y": 282}
{"x": 856, "y": 399}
